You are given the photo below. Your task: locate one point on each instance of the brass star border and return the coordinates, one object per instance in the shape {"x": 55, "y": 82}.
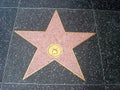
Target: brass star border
{"x": 54, "y": 44}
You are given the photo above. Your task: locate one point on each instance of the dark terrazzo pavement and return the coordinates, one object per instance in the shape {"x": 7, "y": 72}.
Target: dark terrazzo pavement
{"x": 99, "y": 56}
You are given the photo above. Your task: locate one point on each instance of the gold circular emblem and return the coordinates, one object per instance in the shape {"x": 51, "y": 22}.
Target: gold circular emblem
{"x": 54, "y": 50}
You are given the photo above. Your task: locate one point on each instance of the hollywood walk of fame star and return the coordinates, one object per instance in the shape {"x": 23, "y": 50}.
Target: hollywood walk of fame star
{"x": 54, "y": 44}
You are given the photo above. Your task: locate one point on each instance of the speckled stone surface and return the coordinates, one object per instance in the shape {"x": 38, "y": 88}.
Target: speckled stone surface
{"x": 6, "y": 27}
{"x": 99, "y": 56}
{"x": 109, "y": 37}
{"x": 38, "y": 19}
{"x": 51, "y": 87}
{"x": 9, "y": 3}
{"x": 106, "y": 4}
{"x": 57, "y": 3}
{"x": 21, "y": 52}
{"x": 112, "y": 87}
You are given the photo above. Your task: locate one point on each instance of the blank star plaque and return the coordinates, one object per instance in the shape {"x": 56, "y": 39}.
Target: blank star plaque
{"x": 54, "y": 44}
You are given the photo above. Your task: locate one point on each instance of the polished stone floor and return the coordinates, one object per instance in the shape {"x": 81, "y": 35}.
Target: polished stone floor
{"x": 98, "y": 56}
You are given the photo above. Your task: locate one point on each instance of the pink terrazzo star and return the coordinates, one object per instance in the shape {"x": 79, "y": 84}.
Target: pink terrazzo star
{"x": 55, "y": 34}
